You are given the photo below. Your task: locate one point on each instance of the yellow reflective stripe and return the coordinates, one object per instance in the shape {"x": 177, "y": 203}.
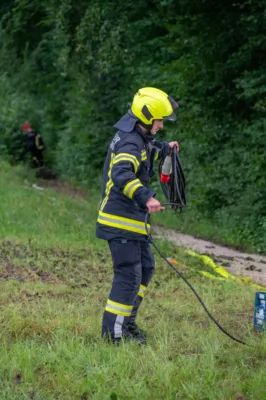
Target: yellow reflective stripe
{"x": 143, "y": 155}
{"x": 37, "y": 142}
{"x": 127, "y": 157}
{"x": 129, "y": 160}
{"x": 114, "y": 303}
{"x": 109, "y": 184}
{"x": 129, "y": 184}
{"x": 131, "y": 187}
{"x": 156, "y": 156}
{"x": 119, "y": 159}
{"x": 122, "y": 223}
{"x": 132, "y": 191}
{"x": 142, "y": 290}
{"x": 117, "y": 312}
{"x": 118, "y": 308}
{"x": 106, "y": 197}
{"x": 117, "y": 217}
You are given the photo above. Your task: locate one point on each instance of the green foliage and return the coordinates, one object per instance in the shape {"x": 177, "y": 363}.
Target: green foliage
{"x": 71, "y": 69}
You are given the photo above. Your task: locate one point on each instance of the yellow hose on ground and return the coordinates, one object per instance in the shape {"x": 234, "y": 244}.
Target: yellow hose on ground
{"x": 221, "y": 271}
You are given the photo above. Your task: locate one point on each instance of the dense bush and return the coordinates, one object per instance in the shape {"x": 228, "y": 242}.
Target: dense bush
{"x": 71, "y": 69}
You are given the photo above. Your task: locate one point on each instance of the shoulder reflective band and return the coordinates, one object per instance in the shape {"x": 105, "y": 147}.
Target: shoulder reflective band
{"x": 131, "y": 187}
{"x": 127, "y": 157}
{"x": 118, "y": 308}
{"x": 122, "y": 223}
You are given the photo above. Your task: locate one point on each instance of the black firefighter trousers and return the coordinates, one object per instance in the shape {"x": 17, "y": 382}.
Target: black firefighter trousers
{"x": 133, "y": 264}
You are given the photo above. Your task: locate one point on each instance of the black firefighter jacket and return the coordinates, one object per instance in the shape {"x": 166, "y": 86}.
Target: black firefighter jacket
{"x": 127, "y": 169}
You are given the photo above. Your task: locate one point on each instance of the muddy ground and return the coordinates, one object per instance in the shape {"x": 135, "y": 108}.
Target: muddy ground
{"x": 235, "y": 262}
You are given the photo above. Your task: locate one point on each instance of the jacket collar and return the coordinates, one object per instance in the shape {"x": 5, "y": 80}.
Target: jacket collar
{"x": 147, "y": 137}
{"x": 128, "y": 124}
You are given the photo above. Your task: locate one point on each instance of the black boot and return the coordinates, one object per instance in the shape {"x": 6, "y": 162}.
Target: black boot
{"x": 130, "y": 322}
{"x": 124, "y": 335}
{"x": 130, "y": 337}
{"x": 135, "y": 330}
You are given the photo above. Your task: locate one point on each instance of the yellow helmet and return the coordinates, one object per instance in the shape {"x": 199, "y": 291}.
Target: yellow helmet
{"x": 151, "y": 103}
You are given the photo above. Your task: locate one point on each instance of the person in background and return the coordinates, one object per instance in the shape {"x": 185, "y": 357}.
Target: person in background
{"x": 35, "y": 145}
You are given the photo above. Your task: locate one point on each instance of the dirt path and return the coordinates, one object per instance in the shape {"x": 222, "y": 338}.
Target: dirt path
{"x": 235, "y": 262}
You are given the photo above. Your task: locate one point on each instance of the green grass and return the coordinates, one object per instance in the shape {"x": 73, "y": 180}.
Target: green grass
{"x": 55, "y": 278}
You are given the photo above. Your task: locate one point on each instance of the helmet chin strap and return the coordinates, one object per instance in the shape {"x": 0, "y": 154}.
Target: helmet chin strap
{"x": 147, "y": 127}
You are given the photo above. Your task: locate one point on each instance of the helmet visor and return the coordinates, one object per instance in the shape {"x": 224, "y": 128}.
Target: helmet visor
{"x": 171, "y": 117}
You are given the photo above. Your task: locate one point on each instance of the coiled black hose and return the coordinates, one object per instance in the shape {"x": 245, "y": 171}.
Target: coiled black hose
{"x": 174, "y": 190}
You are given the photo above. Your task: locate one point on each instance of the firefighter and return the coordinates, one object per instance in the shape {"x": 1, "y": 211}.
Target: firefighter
{"x": 35, "y": 145}
{"x": 126, "y": 198}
